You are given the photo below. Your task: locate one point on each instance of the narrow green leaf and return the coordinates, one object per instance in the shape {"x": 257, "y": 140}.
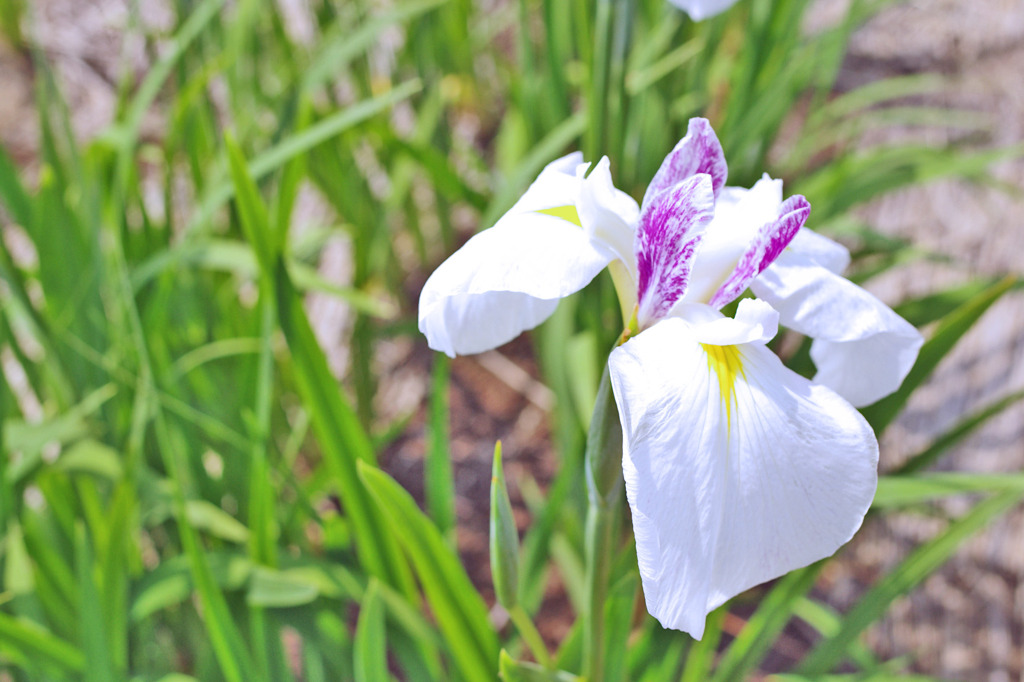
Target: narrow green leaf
{"x": 756, "y": 638}
{"x": 439, "y": 485}
{"x": 921, "y": 563}
{"x": 457, "y": 606}
{"x": 38, "y": 644}
{"x": 905, "y": 490}
{"x": 301, "y": 143}
{"x": 92, "y": 620}
{"x": 342, "y": 437}
{"x": 277, "y": 589}
{"x": 370, "y": 650}
{"x": 511, "y": 670}
{"x": 963, "y": 429}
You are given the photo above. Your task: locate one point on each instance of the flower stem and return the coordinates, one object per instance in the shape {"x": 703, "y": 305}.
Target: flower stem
{"x": 528, "y": 631}
{"x": 604, "y": 493}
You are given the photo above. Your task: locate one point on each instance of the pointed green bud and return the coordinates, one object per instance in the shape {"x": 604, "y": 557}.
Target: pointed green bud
{"x": 504, "y": 538}
{"x": 604, "y": 447}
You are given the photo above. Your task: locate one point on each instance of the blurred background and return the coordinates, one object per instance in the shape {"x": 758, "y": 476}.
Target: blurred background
{"x": 382, "y": 135}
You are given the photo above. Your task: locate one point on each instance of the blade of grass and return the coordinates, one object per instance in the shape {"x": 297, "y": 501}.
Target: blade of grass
{"x": 458, "y": 607}
{"x": 921, "y": 563}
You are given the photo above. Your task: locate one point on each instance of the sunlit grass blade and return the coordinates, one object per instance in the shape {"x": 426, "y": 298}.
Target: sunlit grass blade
{"x": 700, "y": 657}
{"x": 457, "y": 606}
{"x": 921, "y": 563}
{"x": 906, "y": 490}
{"x": 343, "y": 438}
{"x": 38, "y": 646}
{"x": 370, "y": 651}
{"x": 510, "y": 670}
{"x": 300, "y": 143}
{"x": 758, "y": 635}
{"x": 439, "y": 486}
{"x": 92, "y": 621}
{"x": 966, "y": 427}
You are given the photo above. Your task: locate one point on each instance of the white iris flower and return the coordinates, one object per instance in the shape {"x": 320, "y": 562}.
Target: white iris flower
{"x": 737, "y": 469}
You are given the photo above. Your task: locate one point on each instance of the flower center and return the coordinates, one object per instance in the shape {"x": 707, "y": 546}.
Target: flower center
{"x": 726, "y": 363}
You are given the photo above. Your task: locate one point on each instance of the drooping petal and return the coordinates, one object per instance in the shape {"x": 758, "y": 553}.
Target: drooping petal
{"x": 737, "y": 470}
{"x": 506, "y": 280}
{"x": 770, "y": 241}
{"x": 739, "y": 214}
{"x": 698, "y": 152}
{"x": 820, "y": 250}
{"x": 671, "y": 226}
{"x": 862, "y": 349}
{"x": 556, "y": 186}
{"x": 607, "y": 213}
{"x": 703, "y": 9}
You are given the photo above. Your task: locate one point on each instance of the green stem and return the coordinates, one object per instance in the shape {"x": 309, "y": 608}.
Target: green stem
{"x": 604, "y": 493}
{"x": 528, "y": 631}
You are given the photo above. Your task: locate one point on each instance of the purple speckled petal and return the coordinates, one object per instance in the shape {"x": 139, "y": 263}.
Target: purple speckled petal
{"x": 698, "y": 152}
{"x": 671, "y": 227}
{"x": 770, "y": 241}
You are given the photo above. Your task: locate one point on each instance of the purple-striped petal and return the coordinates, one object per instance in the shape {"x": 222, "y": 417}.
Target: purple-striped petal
{"x": 671, "y": 226}
{"x": 698, "y": 152}
{"x": 770, "y": 241}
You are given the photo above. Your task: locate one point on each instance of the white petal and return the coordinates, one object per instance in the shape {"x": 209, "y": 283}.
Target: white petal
{"x": 557, "y": 185}
{"x": 862, "y": 349}
{"x": 608, "y": 214}
{"x": 820, "y": 250}
{"x": 733, "y": 478}
{"x": 702, "y": 9}
{"x": 506, "y": 280}
{"x": 755, "y": 322}
{"x": 739, "y": 214}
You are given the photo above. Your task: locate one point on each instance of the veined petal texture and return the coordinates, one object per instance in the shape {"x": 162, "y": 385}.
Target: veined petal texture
{"x": 766, "y": 246}
{"x": 698, "y": 152}
{"x": 739, "y": 214}
{"x": 862, "y": 349}
{"x": 671, "y": 226}
{"x": 737, "y": 470}
{"x": 506, "y": 280}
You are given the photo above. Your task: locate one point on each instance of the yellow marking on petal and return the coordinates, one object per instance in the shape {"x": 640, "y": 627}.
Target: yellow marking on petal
{"x": 565, "y": 213}
{"x": 726, "y": 363}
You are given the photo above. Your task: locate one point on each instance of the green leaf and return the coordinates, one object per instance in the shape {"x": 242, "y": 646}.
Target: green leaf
{"x": 39, "y": 645}
{"x": 279, "y": 589}
{"x": 511, "y": 670}
{"x": 92, "y": 621}
{"x": 301, "y": 143}
{"x": 950, "y": 330}
{"x": 963, "y": 429}
{"x": 773, "y": 613}
{"x": 439, "y": 486}
{"x": 92, "y": 457}
{"x": 370, "y": 651}
{"x": 209, "y": 517}
{"x": 460, "y": 612}
{"x": 342, "y": 437}
{"x": 905, "y": 490}
{"x": 921, "y": 563}
{"x": 504, "y": 538}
